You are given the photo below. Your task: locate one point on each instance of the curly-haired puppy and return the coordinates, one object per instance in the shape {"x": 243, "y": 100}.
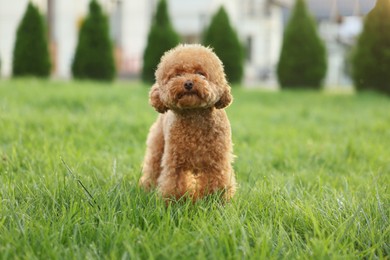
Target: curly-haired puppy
{"x": 189, "y": 147}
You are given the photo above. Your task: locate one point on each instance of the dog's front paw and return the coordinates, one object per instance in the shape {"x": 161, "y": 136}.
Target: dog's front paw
{"x": 146, "y": 183}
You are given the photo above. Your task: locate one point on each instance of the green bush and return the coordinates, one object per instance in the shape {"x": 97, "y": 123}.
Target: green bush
{"x": 161, "y": 38}
{"x": 371, "y": 58}
{"x": 94, "y": 53}
{"x": 302, "y": 62}
{"x": 221, "y": 36}
{"x": 31, "y": 54}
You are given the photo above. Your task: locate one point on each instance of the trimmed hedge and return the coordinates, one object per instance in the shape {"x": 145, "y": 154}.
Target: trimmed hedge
{"x": 161, "y": 38}
{"x": 94, "y": 58}
{"x": 303, "y": 61}
{"x": 31, "y": 53}
{"x": 371, "y": 58}
{"x": 221, "y": 36}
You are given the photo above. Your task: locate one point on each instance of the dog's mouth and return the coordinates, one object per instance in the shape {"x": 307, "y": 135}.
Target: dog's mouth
{"x": 187, "y": 94}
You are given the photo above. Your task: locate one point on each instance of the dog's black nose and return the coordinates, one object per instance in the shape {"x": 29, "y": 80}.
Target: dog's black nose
{"x": 188, "y": 84}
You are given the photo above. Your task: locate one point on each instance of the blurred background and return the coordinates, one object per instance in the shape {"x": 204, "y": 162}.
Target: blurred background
{"x": 259, "y": 24}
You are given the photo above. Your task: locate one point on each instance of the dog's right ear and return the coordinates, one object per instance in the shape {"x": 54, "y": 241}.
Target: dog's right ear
{"x": 155, "y": 100}
{"x": 225, "y": 99}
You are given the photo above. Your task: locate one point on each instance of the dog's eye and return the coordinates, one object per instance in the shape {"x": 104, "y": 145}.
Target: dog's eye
{"x": 201, "y": 73}
{"x": 174, "y": 76}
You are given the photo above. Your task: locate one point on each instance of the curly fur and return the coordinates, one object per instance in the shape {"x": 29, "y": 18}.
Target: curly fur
{"x": 189, "y": 147}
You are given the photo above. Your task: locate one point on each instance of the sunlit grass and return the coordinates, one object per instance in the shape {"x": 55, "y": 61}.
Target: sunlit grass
{"x": 313, "y": 170}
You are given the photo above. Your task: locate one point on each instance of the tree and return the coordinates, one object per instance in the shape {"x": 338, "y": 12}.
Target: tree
{"x": 302, "y": 62}
{"x": 31, "y": 54}
{"x": 371, "y": 58}
{"x": 221, "y": 36}
{"x": 94, "y": 57}
{"x": 161, "y": 38}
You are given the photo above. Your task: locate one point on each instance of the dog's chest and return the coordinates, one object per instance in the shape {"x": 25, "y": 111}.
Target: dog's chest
{"x": 192, "y": 134}
{"x": 194, "y": 143}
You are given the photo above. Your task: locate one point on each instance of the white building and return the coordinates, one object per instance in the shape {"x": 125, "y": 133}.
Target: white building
{"x": 259, "y": 24}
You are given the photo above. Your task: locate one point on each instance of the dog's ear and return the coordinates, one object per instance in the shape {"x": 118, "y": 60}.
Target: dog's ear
{"x": 155, "y": 100}
{"x": 225, "y": 99}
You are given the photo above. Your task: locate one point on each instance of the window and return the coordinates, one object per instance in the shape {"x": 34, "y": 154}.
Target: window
{"x": 249, "y": 47}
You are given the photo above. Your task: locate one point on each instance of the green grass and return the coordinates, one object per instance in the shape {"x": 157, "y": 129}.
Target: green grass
{"x": 313, "y": 170}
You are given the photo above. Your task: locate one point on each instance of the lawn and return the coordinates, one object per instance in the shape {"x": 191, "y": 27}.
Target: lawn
{"x": 313, "y": 170}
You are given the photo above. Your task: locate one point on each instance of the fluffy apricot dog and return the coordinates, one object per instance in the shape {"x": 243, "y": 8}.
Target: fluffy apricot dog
{"x": 189, "y": 147}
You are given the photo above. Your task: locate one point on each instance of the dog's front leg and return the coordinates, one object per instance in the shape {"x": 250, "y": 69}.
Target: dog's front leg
{"x": 173, "y": 184}
{"x": 151, "y": 168}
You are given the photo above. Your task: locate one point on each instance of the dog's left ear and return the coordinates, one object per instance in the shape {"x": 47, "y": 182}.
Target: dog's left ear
{"x": 225, "y": 99}
{"x": 155, "y": 100}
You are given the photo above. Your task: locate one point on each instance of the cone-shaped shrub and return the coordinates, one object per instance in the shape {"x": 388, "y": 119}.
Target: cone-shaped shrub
{"x": 221, "y": 36}
{"x": 371, "y": 59}
{"x": 302, "y": 62}
{"x": 31, "y": 54}
{"x": 94, "y": 57}
{"x": 161, "y": 38}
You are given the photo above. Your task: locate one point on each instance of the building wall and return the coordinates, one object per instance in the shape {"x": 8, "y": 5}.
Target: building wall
{"x": 339, "y": 39}
{"x": 64, "y": 36}
{"x": 134, "y": 23}
{"x": 264, "y": 30}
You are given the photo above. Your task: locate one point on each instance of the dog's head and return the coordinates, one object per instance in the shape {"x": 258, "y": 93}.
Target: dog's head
{"x": 188, "y": 77}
